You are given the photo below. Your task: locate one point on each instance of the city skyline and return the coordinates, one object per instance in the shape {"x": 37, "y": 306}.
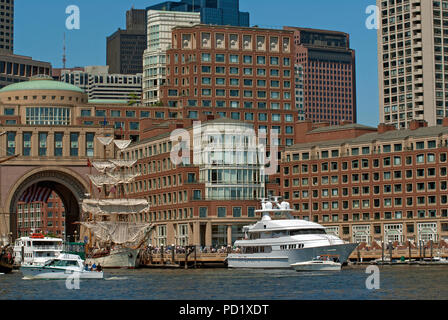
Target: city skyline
{"x": 46, "y": 41}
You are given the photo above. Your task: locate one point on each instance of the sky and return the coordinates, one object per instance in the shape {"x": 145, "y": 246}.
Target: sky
{"x": 40, "y": 27}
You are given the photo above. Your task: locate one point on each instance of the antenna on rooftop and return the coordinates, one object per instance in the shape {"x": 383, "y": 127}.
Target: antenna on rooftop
{"x": 64, "y": 57}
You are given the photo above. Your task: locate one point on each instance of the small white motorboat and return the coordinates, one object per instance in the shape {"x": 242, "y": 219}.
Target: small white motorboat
{"x": 61, "y": 268}
{"x": 320, "y": 263}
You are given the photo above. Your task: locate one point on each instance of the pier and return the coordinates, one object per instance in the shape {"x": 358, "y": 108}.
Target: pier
{"x": 200, "y": 257}
{"x": 189, "y": 257}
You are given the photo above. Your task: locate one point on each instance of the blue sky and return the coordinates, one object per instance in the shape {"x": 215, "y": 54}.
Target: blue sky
{"x": 40, "y": 27}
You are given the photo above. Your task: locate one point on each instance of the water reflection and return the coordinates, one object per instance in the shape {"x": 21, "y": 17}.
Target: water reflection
{"x": 396, "y": 283}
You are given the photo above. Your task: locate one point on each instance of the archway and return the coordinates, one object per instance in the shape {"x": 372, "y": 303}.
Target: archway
{"x": 68, "y": 185}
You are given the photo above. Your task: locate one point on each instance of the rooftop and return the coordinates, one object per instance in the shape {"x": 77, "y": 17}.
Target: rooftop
{"x": 43, "y": 83}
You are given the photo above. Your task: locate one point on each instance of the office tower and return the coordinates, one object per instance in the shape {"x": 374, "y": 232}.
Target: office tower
{"x": 329, "y": 74}
{"x": 160, "y": 24}
{"x": 412, "y": 61}
{"x": 125, "y": 47}
{"x": 216, "y": 12}
{"x": 136, "y": 20}
{"x": 7, "y": 26}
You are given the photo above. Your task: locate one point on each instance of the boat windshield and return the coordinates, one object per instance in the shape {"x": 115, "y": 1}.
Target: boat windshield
{"x": 62, "y": 263}
{"x": 306, "y": 231}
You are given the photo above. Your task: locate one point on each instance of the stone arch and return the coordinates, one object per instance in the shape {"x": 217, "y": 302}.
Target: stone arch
{"x": 69, "y": 186}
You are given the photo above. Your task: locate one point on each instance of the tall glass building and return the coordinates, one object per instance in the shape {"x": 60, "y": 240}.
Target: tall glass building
{"x": 217, "y": 12}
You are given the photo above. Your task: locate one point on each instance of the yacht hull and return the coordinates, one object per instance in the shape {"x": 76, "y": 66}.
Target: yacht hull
{"x": 121, "y": 258}
{"x": 44, "y": 273}
{"x": 317, "y": 266}
{"x": 283, "y": 259}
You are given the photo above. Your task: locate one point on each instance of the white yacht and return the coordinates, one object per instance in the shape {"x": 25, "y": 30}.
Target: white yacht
{"x": 64, "y": 266}
{"x": 278, "y": 244}
{"x": 320, "y": 263}
{"x": 36, "y": 249}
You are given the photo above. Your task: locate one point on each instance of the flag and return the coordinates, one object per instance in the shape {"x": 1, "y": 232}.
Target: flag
{"x": 89, "y": 164}
{"x": 36, "y": 194}
{"x": 105, "y": 121}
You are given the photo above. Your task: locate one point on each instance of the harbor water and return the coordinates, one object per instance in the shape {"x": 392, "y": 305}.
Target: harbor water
{"x": 395, "y": 283}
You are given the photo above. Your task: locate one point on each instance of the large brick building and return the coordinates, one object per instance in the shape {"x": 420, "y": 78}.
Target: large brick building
{"x": 245, "y": 74}
{"x": 371, "y": 184}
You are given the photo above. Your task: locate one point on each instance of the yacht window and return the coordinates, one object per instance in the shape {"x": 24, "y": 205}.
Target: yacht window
{"x": 307, "y": 231}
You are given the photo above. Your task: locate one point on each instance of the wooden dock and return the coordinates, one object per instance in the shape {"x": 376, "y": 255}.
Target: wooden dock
{"x": 190, "y": 259}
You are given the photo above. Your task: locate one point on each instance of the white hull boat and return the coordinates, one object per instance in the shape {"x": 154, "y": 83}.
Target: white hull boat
{"x": 317, "y": 266}
{"x": 278, "y": 244}
{"x": 64, "y": 267}
{"x": 121, "y": 258}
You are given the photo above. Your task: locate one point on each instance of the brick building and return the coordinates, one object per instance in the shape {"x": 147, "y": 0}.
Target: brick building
{"x": 203, "y": 203}
{"x": 370, "y": 184}
{"x": 41, "y": 217}
{"x": 244, "y": 74}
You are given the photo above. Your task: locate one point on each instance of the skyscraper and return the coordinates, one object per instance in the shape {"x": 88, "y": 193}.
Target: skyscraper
{"x": 7, "y": 26}
{"x": 160, "y": 24}
{"x": 412, "y": 61}
{"x": 125, "y": 47}
{"x": 217, "y": 12}
{"x": 329, "y": 75}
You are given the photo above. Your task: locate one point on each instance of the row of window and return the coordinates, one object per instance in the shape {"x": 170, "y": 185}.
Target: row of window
{"x": 386, "y": 148}
{"x": 43, "y": 144}
{"x": 115, "y": 113}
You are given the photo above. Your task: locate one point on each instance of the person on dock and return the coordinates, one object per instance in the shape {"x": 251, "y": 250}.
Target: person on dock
{"x": 99, "y": 268}
{"x": 94, "y": 266}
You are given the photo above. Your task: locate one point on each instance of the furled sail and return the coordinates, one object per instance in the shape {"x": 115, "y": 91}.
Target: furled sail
{"x": 124, "y": 163}
{"x": 122, "y": 144}
{"x": 103, "y": 166}
{"x": 119, "y": 232}
{"x": 101, "y": 180}
{"x": 115, "y": 206}
{"x": 105, "y": 140}
{"x": 120, "y": 177}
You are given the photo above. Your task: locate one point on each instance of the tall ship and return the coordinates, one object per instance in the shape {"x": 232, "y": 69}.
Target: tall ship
{"x": 115, "y": 231}
{"x": 281, "y": 243}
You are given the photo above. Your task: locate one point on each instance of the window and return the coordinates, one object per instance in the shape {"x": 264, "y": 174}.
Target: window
{"x": 203, "y": 212}
{"x": 58, "y": 137}
{"x": 43, "y": 144}
{"x": 90, "y": 144}
{"x": 27, "y": 144}
{"x": 74, "y": 137}
{"x": 11, "y": 136}
{"x": 236, "y": 212}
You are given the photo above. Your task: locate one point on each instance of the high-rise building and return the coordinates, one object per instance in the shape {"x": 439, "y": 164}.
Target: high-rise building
{"x": 217, "y": 12}
{"x": 7, "y": 26}
{"x": 240, "y": 73}
{"x": 412, "y": 61}
{"x": 136, "y": 20}
{"x": 329, "y": 74}
{"x": 125, "y": 47}
{"x": 160, "y": 24}
{"x": 15, "y": 68}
